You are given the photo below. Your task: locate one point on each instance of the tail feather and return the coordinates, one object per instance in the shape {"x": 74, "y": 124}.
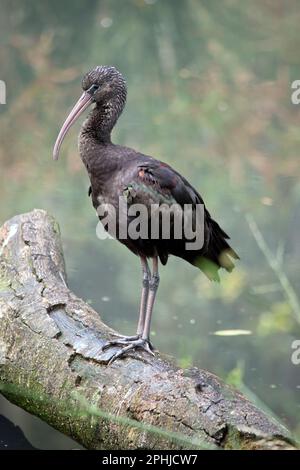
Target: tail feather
{"x": 218, "y": 253}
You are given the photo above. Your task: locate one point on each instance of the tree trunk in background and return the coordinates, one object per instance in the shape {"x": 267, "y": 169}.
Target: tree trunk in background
{"x": 52, "y": 365}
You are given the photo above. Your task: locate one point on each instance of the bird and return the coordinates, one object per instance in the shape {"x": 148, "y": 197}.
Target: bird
{"x": 118, "y": 173}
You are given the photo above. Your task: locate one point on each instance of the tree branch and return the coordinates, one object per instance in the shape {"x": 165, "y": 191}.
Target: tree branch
{"x": 52, "y": 365}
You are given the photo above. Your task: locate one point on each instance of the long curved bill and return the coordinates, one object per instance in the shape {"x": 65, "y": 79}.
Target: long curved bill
{"x": 84, "y": 101}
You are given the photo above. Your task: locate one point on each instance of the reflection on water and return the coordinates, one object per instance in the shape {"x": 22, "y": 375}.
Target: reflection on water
{"x": 209, "y": 92}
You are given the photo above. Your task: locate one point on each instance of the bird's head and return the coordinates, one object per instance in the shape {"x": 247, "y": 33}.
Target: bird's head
{"x": 105, "y": 86}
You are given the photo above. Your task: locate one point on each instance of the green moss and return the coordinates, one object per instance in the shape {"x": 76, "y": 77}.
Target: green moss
{"x": 232, "y": 440}
{"x": 5, "y": 281}
{"x": 55, "y": 226}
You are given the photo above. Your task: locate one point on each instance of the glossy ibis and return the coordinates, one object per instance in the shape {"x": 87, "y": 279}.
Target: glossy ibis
{"x": 116, "y": 171}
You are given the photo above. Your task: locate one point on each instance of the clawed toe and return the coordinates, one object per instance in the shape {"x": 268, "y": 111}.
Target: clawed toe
{"x": 117, "y": 342}
{"x": 126, "y": 338}
{"x": 133, "y": 345}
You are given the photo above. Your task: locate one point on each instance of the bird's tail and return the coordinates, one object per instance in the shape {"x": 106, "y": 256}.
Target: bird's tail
{"x": 218, "y": 253}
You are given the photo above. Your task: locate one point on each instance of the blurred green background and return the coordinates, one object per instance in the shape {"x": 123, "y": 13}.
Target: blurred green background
{"x": 209, "y": 92}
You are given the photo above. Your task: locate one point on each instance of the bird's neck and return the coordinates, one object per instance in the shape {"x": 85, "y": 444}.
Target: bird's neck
{"x": 102, "y": 119}
{"x": 95, "y": 136}
{"x": 95, "y": 139}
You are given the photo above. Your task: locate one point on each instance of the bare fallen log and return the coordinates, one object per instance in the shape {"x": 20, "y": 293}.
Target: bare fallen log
{"x": 52, "y": 365}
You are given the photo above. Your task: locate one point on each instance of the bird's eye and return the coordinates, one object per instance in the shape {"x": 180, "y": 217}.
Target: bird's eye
{"x": 93, "y": 89}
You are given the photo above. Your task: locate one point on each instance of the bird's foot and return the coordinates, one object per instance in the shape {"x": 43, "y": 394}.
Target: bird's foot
{"x": 124, "y": 340}
{"x": 129, "y": 345}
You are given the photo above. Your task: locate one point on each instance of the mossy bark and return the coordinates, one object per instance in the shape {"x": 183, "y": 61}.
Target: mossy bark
{"x": 52, "y": 365}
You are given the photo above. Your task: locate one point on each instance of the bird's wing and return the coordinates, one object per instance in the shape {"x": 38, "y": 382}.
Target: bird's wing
{"x": 157, "y": 182}
{"x": 166, "y": 181}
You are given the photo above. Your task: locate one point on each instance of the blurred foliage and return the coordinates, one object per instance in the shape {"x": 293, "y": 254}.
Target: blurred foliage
{"x": 209, "y": 92}
{"x": 277, "y": 319}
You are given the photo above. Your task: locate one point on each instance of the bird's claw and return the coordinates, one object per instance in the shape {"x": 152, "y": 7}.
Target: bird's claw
{"x": 126, "y": 338}
{"x": 139, "y": 343}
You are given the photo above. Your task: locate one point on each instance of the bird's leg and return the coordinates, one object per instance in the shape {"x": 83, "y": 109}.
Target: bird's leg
{"x": 153, "y": 286}
{"x": 143, "y": 339}
{"x": 144, "y": 297}
{"x": 123, "y": 340}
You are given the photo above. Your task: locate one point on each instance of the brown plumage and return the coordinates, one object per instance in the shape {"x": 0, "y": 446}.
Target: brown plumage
{"x": 116, "y": 171}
